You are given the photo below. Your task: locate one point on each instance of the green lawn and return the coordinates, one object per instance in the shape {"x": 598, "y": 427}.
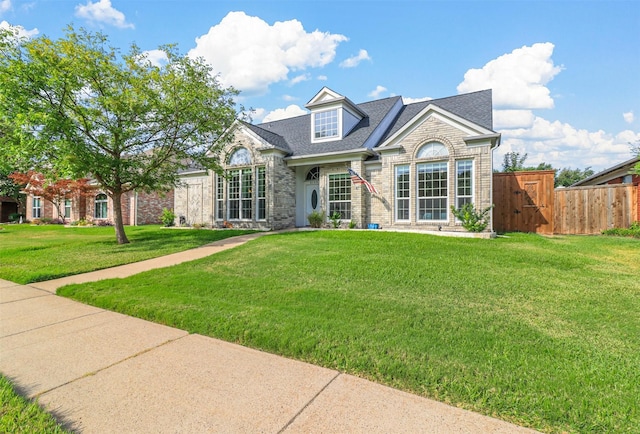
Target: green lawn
{"x": 18, "y": 415}
{"x": 36, "y": 253}
{"x": 543, "y": 332}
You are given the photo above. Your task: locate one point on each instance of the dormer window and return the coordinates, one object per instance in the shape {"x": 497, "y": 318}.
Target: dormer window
{"x": 333, "y": 116}
{"x": 326, "y": 124}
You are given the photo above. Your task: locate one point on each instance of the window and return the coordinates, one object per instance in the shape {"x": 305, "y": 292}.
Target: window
{"x": 241, "y": 157}
{"x": 67, "y": 208}
{"x": 247, "y": 193}
{"x": 219, "y": 198}
{"x": 313, "y": 174}
{"x": 464, "y": 182}
{"x": 261, "y": 212}
{"x": 37, "y": 207}
{"x": 432, "y": 191}
{"x": 101, "y": 206}
{"x": 433, "y": 149}
{"x": 340, "y": 195}
{"x": 233, "y": 194}
{"x": 240, "y": 194}
{"x": 402, "y": 192}
{"x": 325, "y": 124}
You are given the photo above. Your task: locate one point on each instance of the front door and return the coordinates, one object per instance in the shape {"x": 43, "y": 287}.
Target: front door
{"x": 312, "y": 198}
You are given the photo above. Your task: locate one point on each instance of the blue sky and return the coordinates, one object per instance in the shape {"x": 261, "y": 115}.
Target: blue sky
{"x": 565, "y": 74}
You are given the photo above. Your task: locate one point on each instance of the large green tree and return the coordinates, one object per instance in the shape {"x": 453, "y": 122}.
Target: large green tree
{"x": 78, "y": 107}
{"x": 567, "y": 177}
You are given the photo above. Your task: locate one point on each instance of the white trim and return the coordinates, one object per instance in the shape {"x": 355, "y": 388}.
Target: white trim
{"x": 334, "y": 157}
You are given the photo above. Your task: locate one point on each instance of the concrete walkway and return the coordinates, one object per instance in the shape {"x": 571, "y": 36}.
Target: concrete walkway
{"x": 102, "y": 372}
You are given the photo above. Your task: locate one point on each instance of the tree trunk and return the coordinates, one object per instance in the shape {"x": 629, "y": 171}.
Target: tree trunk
{"x": 117, "y": 218}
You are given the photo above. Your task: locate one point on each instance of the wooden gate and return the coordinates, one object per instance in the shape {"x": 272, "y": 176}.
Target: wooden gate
{"x": 524, "y": 201}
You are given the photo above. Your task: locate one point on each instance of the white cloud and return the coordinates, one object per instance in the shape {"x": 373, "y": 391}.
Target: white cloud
{"x": 19, "y": 31}
{"x": 300, "y": 78}
{"x": 322, "y": 78}
{"x": 518, "y": 79}
{"x": 354, "y": 61}
{"x": 103, "y": 12}
{"x": 289, "y": 98}
{"x": 562, "y": 145}
{"x": 512, "y": 119}
{"x": 156, "y": 57}
{"x": 250, "y": 54}
{"x": 628, "y": 117}
{"x": 5, "y": 5}
{"x": 377, "y": 91}
{"x": 289, "y": 112}
{"x": 408, "y": 100}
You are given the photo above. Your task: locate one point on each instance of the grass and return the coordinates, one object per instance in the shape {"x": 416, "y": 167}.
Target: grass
{"x": 18, "y": 415}
{"x": 542, "y": 332}
{"x": 36, "y": 253}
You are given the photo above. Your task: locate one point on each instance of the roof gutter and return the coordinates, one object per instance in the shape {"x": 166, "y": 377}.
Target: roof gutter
{"x": 328, "y": 158}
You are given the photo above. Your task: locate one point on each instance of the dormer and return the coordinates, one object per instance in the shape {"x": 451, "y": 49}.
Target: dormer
{"x": 333, "y": 116}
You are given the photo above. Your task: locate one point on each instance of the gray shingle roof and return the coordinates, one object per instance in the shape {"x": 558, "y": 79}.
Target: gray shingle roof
{"x": 293, "y": 135}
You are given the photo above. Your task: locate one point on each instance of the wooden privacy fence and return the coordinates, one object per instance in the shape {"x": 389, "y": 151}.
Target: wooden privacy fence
{"x": 592, "y": 209}
{"x": 527, "y": 202}
{"x": 523, "y": 201}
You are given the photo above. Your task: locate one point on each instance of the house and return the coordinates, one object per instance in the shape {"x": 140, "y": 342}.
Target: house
{"x": 8, "y": 206}
{"x": 421, "y": 158}
{"x": 138, "y": 208}
{"x": 618, "y": 174}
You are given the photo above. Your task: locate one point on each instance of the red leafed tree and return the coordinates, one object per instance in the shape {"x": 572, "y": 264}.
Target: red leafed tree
{"x": 55, "y": 191}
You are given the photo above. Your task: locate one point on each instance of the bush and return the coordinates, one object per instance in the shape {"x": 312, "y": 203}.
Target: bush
{"x": 168, "y": 218}
{"x": 335, "y": 219}
{"x": 353, "y": 224}
{"x": 632, "y": 231}
{"x": 316, "y": 219}
{"x": 472, "y": 220}
{"x": 15, "y": 217}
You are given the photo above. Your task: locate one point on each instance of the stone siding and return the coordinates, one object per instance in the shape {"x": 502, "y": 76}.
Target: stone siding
{"x": 382, "y": 208}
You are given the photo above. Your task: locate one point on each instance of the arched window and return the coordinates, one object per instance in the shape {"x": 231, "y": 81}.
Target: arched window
{"x": 241, "y": 157}
{"x": 313, "y": 174}
{"x": 432, "y": 150}
{"x": 101, "y": 206}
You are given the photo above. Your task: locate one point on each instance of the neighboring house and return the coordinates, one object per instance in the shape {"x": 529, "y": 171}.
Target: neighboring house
{"x": 137, "y": 208}
{"x": 421, "y": 158}
{"x": 8, "y": 206}
{"x": 618, "y": 174}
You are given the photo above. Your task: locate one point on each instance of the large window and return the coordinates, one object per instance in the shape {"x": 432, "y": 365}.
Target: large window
{"x": 37, "y": 207}
{"x": 233, "y": 194}
{"x": 325, "y": 124}
{"x": 261, "y": 212}
{"x": 340, "y": 195}
{"x": 101, "y": 206}
{"x": 402, "y": 192}
{"x": 464, "y": 182}
{"x": 432, "y": 191}
{"x": 246, "y": 187}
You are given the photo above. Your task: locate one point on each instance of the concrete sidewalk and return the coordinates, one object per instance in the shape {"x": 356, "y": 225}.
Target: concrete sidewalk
{"x": 102, "y": 372}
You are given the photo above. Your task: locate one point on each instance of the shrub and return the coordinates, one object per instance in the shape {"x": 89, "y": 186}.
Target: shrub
{"x": 335, "y": 219}
{"x": 168, "y": 218}
{"x": 472, "y": 219}
{"x": 353, "y": 224}
{"x": 15, "y": 217}
{"x": 316, "y": 219}
{"x": 631, "y": 231}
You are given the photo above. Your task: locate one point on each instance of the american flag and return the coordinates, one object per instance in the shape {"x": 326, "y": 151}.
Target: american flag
{"x": 357, "y": 180}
